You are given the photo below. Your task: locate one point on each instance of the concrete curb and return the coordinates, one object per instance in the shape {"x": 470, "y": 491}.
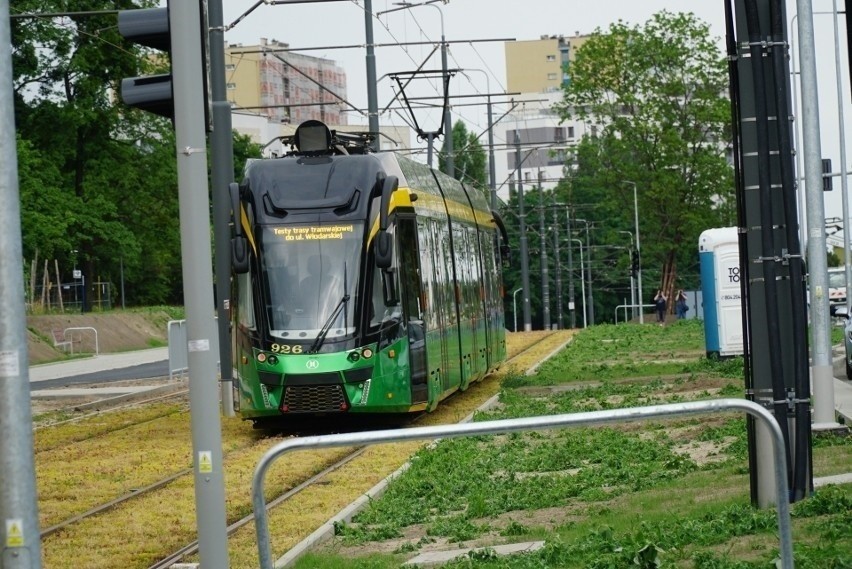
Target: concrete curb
{"x": 326, "y": 531}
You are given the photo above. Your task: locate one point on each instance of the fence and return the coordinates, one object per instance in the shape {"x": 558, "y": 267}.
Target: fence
{"x": 531, "y": 424}
{"x": 99, "y": 297}
{"x": 178, "y": 350}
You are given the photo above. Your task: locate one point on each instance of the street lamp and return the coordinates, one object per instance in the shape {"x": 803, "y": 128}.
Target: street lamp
{"x": 492, "y": 168}
{"x": 582, "y": 282}
{"x": 632, "y": 281}
{"x": 638, "y": 250}
{"x": 515, "y": 306}
{"x": 589, "y": 263}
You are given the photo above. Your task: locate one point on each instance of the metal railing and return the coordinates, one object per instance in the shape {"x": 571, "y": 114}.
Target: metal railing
{"x": 632, "y": 306}
{"x": 531, "y": 424}
{"x": 80, "y": 340}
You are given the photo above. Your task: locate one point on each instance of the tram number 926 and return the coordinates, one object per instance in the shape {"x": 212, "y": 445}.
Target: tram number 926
{"x": 285, "y": 349}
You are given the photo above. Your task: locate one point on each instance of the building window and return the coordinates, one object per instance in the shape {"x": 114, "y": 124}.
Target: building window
{"x": 551, "y": 58}
{"x": 570, "y": 132}
{"x": 558, "y": 134}
{"x": 527, "y": 176}
{"x": 551, "y": 76}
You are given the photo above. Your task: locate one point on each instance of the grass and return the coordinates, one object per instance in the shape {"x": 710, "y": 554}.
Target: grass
{"x": 663, "y": 493}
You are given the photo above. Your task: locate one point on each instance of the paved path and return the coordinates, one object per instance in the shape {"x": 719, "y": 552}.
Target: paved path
{"x": 95, "y": 364}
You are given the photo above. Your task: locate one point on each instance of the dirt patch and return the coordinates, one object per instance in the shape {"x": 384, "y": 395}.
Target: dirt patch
{"x": 117, "y": 331}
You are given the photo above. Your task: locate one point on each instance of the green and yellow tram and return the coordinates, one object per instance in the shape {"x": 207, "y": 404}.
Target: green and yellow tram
{"x": 364, "y": 282}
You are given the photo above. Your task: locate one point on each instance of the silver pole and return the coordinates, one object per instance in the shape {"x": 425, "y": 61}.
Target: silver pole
{"x": 821, "y": 368}
{"x": 515, "y": 306}
{"x": 844, "y": 185}
{"x": 222, "y": 174}
{"x": 197, "y": 283}
{"x": 641, "y": 298}
{"x": 372, "y": 96}
{"x": 632, "y": 280}
{"x": 20, "y": 540}
{"x": 582, "y": 282}
{"x": 800, "y": 189}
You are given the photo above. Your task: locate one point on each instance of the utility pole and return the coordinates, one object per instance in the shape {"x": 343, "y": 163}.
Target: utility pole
{"x": 525, "y": 260}
{"x": 591, "y": 307}
{"x": 222, "y": 174}
{"x": 372, "y": 96}
{"x": 187, "y": 77}
{"x": 559, "y": 323}
{"x": 571, "y": 305}
{"x": 492, "y": 167}
{"x": 545, "y": 276}
{"x": 20, "y": 540}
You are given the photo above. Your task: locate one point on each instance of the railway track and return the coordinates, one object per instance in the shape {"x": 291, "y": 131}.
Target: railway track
{"x": 317, "y": 471}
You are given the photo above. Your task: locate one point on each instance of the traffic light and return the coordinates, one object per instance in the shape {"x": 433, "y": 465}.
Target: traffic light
{"x": 827, "y": 185}
{"x": 148, "y": 27}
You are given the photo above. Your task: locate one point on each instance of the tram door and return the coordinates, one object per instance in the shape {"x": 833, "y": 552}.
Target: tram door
{"x": 435, "y": 282}
{"x": 412, "y": 311}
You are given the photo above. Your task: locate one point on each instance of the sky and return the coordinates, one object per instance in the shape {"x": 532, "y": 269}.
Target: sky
{"x": 336, "y": 23}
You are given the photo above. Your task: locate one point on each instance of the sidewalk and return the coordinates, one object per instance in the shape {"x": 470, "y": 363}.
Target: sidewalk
{"x": 103, "y": 362}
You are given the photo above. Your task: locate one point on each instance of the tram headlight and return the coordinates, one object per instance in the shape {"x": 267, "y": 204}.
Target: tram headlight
{"x": 367, "y": 353}
{"x": 353, "y": 356}
{"x": 273, "y": 359}
{"x": 261, "y": 357}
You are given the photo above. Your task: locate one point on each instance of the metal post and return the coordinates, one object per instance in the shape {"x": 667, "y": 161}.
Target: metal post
{"x": 545, "y": 274}
{"x": 558, "y": 270}
{"x": 20, "y": 543}
{"x": 122, "y": 282}
{"x": 525, "y": 260}
{"x": 591, "y": 307}
{"x": 448, "y": 119}
{"x": 492, "y": 167}
{"x": 582, "y": 282}
{"x": 844, "y": 184}
{"x": 372, "y": 96}
{"x": 222, "y": 174}
{"x": 571, "y": 273}
{"x": 515, "y": 306}
{"x": 821, "y": 371}
{"x": 632, "y": 280}
{"x": 639, "y": 250}
{"x": 191, "y": 154}
{"x": 799, "y": 175}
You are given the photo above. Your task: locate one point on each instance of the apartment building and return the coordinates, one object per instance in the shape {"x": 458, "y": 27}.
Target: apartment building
{"x": 538, "y": 70}
{"x": 284, "y": 86}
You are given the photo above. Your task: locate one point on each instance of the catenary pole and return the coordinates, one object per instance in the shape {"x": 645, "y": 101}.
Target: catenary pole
{"x": 372, "y": 95}
{"x": 545, "y": 275}
{"x": 558, "y": 269}
{"x": 571, "y": 306}
{"x": 844, "y": 185}
{"x": 187, "y": 77}
{"x": 20, "y": 543}
{"x": 525, "y": 260}
{"x": 821, "y": 369}
{"x": 222, "y": 174}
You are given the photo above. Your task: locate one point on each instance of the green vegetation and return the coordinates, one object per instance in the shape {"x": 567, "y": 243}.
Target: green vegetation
{"x": 652, "y": 494}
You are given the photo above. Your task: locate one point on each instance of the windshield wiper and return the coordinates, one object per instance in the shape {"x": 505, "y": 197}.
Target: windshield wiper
{"x": 318, "y": 341}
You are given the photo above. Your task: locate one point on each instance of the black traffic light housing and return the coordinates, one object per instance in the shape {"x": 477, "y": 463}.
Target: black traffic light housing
{"x": 148, "y": 27}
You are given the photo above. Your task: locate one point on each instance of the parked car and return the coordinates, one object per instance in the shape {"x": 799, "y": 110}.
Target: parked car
{"x": 847, "y": 337}
{"x": 836, "y": 288}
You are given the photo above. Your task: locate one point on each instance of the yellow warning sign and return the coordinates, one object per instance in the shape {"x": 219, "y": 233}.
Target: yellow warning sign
{"x": 15, "y": 533}
{"x": 205, "y": 461}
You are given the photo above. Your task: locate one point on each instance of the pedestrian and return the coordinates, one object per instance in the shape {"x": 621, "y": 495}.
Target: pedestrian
{"x": 660, "y": 306}
{"x": 680, "y": 305}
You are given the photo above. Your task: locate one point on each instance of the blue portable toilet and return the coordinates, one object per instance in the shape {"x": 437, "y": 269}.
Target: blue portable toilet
{"x": 719, "y": 258}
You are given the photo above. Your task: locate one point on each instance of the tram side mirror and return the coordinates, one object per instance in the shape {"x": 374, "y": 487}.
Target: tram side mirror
{"x": 384, "y": 242}
{"x": 391, "y": 296}
{"x": 384, "y": 249}
{"x": 505, "y": 256}
{"x": 239, "y": 243}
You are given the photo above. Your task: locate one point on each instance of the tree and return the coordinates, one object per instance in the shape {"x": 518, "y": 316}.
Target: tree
{"x": 471, "y": 162}
{"x": 655, "y": 96}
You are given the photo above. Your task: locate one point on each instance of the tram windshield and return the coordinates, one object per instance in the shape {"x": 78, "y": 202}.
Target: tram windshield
{"x": 310, "y": 274}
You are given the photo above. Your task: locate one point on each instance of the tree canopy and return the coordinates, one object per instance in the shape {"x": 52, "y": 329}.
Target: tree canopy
{"x": 654, "y": 100}
{"x": 98, "y": 180}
